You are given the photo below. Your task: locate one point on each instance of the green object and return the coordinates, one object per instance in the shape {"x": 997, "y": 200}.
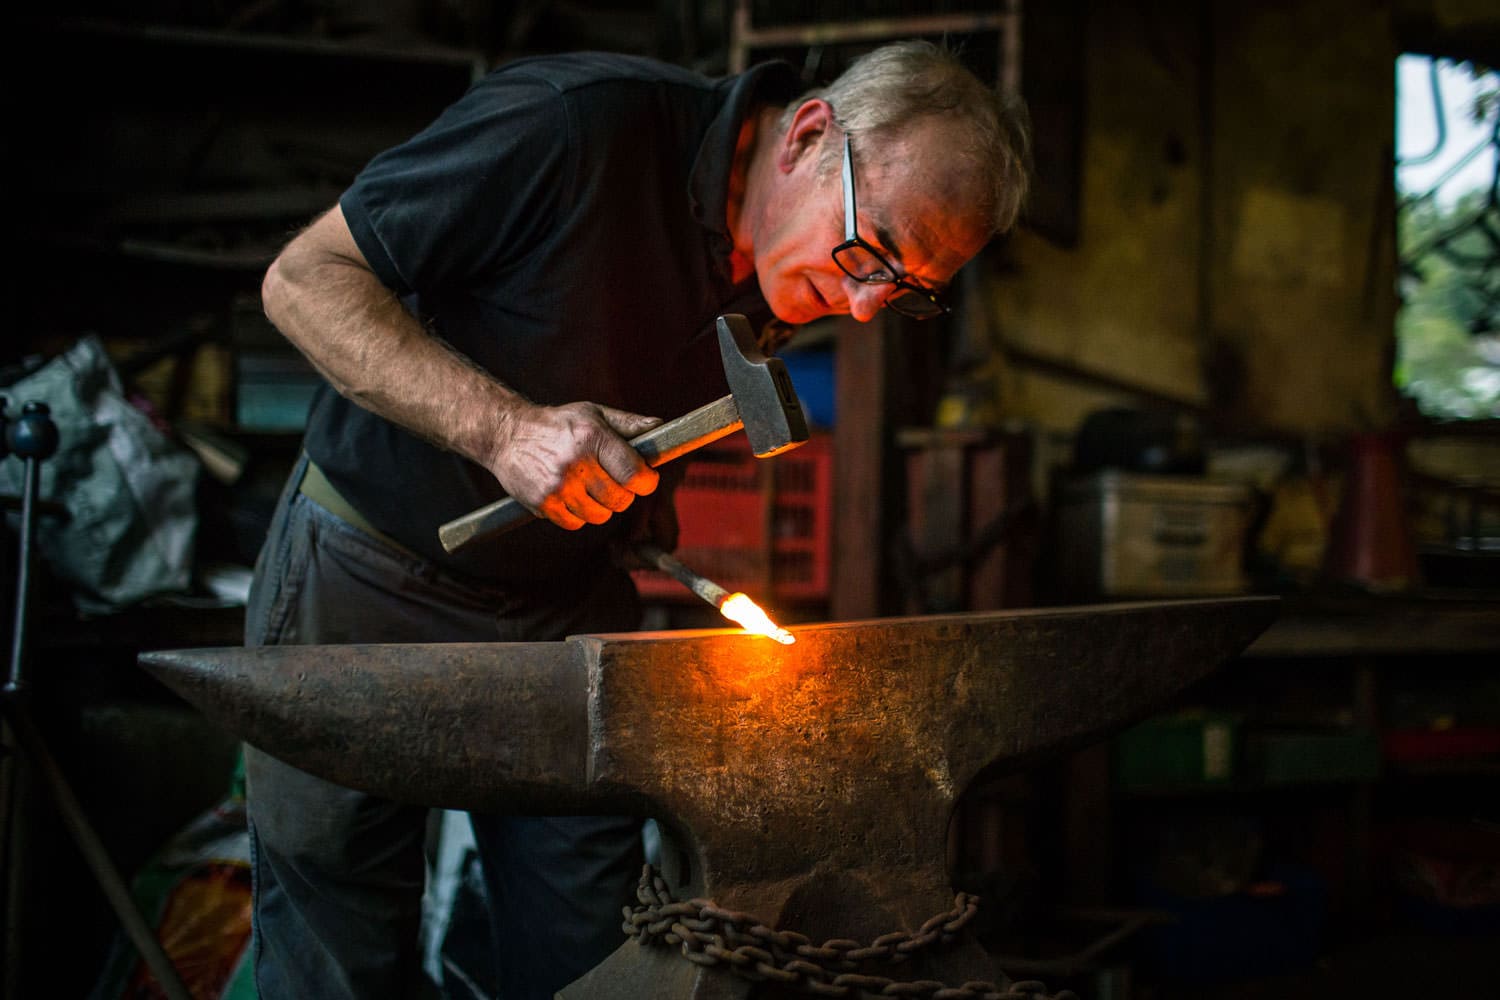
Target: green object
{"x": 1190, "y": 749}
{"x": 1310, "y": 756}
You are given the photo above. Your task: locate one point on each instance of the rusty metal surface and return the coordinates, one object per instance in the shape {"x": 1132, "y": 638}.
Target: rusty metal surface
{"x": 460, "y": 725}
{"x": 809, "y": 784}
{"x": 740, "y": 736}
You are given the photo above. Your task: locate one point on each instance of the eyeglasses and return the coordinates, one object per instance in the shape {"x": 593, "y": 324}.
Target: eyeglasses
{"x": 862, "y": 262}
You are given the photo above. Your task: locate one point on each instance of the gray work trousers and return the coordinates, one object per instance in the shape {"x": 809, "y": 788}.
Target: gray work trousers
{"x": 339, "y": 875}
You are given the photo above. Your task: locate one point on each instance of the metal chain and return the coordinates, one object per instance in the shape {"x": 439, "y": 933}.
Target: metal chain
{"x": 711, "y": 935}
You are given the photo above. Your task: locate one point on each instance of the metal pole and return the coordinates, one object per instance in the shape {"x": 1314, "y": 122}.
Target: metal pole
{"x": 15, "y": 680}
{"x": 11, "y": 790}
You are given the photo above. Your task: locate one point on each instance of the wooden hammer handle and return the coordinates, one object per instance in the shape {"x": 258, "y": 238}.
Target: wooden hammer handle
{"x": 657, "y": 446}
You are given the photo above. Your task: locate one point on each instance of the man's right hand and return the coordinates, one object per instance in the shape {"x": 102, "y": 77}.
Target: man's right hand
{"x": 572, "y": 464}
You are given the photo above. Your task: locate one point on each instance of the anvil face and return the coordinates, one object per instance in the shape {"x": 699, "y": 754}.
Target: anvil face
{"x": 831, "y": 765}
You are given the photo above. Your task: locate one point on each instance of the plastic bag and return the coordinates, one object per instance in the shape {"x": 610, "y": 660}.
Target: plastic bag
{"x": 129, "y": 490}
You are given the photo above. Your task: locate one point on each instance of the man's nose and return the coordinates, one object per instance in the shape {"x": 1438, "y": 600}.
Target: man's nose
{"x": 865, "y": 300}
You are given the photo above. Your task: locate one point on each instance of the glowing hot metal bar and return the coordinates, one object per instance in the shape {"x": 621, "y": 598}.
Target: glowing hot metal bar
{"x": 736, "y": 607}
{"x": 739, "y": 608}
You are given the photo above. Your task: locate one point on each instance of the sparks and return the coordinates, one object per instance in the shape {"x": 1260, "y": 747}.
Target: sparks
{"x": 739, "y": 608}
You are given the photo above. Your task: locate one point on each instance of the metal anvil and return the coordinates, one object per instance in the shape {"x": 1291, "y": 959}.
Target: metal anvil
{"x": 811, "y": 785}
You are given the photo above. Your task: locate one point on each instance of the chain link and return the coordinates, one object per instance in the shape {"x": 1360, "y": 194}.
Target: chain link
{"x": 711, "y": 935}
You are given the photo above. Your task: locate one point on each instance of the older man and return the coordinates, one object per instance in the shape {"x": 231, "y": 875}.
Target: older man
{"x": 497, "y": 304}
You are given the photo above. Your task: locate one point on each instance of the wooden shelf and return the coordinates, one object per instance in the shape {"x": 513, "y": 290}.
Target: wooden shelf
{"x": 271, "y": 44}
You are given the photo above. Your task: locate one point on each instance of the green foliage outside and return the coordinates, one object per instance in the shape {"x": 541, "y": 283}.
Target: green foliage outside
{"x": 1448, "y": 326}
{"x": 1448, "y": 346}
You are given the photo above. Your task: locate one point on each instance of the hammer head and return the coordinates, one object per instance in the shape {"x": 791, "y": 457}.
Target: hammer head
{"x": 762, "y": 390}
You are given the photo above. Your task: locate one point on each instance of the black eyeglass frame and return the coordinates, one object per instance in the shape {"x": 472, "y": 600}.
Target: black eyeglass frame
{"x": 887, "y": 274}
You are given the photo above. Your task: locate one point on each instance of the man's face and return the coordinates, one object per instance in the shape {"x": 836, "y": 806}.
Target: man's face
{"x": 910, "y": 208}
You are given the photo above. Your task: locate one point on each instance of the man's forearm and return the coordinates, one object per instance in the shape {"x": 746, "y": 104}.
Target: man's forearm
{"x": 320, "y": 294}
{"x": 569, "y": 463}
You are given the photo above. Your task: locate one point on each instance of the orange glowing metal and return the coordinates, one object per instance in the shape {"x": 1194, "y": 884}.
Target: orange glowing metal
{"x": 739, "y": 608}
{"x": 736, "y": 607}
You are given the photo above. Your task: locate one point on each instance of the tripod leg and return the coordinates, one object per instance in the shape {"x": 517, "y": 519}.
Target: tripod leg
{"x": 89, "y": 844}
{"x": 12, "y": 849}
{"x": 33, "y": 437}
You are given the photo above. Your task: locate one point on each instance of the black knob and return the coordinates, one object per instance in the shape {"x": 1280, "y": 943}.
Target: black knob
{"x": 33, "y": 434}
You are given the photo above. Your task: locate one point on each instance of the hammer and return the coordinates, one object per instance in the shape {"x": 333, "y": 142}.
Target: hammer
{"x": 761, "y": 400}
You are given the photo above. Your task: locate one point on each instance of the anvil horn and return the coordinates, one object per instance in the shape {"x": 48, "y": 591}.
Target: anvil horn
{"x": 466, "y": 726}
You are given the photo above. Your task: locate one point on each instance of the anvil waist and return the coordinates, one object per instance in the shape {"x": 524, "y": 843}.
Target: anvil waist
{"x": 316, "y": 487}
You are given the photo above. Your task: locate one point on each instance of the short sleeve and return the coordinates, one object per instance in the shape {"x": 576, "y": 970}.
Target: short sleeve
{"x": 470, "y": 193}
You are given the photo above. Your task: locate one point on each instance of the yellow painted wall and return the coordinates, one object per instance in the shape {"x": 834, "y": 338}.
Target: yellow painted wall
{"x": 1289, "y": 329}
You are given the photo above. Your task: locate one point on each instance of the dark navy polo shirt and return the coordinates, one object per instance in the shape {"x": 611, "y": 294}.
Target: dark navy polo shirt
{"x": 563, "y": 225}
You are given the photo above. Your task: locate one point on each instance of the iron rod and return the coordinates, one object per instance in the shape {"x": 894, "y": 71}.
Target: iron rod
{"x": 696, "y": 582}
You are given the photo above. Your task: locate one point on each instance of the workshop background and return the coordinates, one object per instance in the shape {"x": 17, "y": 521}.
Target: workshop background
{"x": 1180, "y": 376}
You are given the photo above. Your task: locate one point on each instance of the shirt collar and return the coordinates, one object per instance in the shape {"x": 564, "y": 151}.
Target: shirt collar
{"x": 708, "y": 187}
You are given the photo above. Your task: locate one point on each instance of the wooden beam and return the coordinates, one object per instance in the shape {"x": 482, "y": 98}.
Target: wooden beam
{"x": 861, "y": 364}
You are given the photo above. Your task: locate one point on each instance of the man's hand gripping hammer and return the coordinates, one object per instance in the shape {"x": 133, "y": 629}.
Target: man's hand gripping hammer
{"x": 761, "y": 400}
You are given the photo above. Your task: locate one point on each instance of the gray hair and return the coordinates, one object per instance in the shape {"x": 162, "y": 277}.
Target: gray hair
{"x": 885, "y": 90}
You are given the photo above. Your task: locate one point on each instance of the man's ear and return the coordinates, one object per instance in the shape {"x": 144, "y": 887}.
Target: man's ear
{"x": 804, "y": 134}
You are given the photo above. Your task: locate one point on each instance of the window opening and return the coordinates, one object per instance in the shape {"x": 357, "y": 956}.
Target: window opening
{"x": 1448, "y": 236}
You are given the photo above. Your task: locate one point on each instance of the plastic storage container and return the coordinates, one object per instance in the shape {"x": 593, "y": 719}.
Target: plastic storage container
{"x": 1276, "y": 928}
{"x": 1188, "y": 749}
{"x": 1132, "y": 535}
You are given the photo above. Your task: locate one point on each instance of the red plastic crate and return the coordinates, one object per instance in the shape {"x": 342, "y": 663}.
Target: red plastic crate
{"x": 758, "y": 525}
{"x": 1417, "y": 745}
